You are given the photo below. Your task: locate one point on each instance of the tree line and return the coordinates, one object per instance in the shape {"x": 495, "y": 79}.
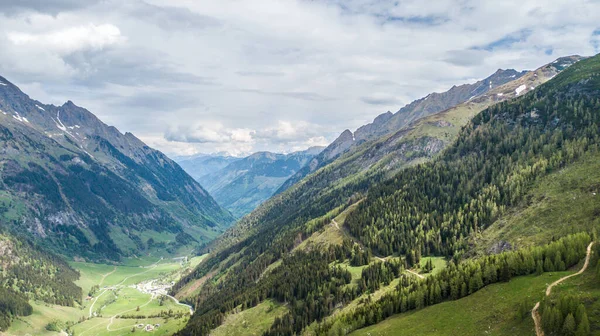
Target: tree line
{"x": 459, "y": 280}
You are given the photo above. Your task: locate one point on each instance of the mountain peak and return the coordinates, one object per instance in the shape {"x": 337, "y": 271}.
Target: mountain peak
{"x": 69, "y": 103}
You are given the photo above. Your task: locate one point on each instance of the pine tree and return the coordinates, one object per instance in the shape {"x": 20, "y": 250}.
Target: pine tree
{"x": 539, "y": 269}
{"x": 548, "y": 266}
{"x": 584, "y": 326}
{"x": 548, "y": 319}
{"x": 579, "y": 313}
{"x": 569, "y": 326}
{"x": 505, "y": 272}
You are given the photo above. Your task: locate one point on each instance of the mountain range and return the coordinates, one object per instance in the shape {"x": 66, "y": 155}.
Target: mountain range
{"x": 374, "y": 209}
{"x": 85, "y": 189}
{"x": 204, "y": 164}
{"x": 460, "y": 214}
{"x": 241, "y": 184}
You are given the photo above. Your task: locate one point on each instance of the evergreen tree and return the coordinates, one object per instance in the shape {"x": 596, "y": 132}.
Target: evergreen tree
{"x": 539, "y": 269}
{"x": 584, "y": 326}
{"x": 569, "y": 325}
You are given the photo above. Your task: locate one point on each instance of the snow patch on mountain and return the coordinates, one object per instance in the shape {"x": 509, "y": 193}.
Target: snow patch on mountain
{"x": 520, "y": 89}
{"x": 18, "y": 117}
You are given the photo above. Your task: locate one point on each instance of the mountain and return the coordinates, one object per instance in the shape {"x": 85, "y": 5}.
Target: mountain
{"x": 352, "y": 173}
{"x": 391, "y": 122}
{"x": 337, "y": 225}
{"x": 204, "y": 164}
{"x": 84, "y": 189}
{"x": 245, "y": 183}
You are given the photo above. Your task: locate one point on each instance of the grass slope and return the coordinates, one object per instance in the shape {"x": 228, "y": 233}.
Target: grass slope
{"x": 561, "y": 203}
{"x": 253, "y": 321}
{"x": 490, "y": 311}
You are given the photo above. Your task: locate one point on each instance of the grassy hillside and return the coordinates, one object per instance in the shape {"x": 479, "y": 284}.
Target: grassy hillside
{"x": 254, "y": 321}
{"x": 561, "y": 203}
{"x": 495, "y": 309}
{"x": 29, "y": 274}
{"x": 490, "y": 311}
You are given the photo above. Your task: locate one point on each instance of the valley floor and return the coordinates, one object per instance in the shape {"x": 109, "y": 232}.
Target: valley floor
{"x": 127, "y": 297}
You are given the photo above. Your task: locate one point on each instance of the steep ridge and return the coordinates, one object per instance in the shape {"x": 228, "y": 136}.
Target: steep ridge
{"x": 90, "y": 191}
{"x": 389, "y": 122}
{"x": 245, "y": 183}
{"x": 351, "y": 174}
{"x": 379, "y": 221}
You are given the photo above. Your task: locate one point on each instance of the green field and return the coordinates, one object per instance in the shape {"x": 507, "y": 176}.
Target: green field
{"x": 490, "y": 311}
{"x": 439, "y": 263}
{"x": 116, "y": 296}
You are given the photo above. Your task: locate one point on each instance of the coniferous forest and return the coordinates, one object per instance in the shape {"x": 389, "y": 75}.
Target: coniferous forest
{"x": 30, "y": 273}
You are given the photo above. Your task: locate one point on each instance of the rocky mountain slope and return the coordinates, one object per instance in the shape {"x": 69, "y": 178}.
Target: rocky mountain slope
{"x": 85, "y": 189}
{"x": 389, "y": 122}
{"x": 245, "y": 183}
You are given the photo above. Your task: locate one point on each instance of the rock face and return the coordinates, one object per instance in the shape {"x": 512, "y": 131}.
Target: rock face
{"x": 434, "y": 103}
{"x": 90, "y": 190}
{"x": 245, "y": 183}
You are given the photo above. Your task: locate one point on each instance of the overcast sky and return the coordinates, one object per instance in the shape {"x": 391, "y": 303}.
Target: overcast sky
{"x": 189, "y": 76}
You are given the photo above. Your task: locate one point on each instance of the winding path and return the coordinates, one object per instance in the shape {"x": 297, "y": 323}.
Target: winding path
{"x": 182, "y": 304}
{"x": 415, "y": 273}
{"x": 337, "y": 226}
{"x": 105, "y": 275}
{"x": 537, "y": 320}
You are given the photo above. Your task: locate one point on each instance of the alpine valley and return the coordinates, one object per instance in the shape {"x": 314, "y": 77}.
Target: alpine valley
{"x": 472, "y": 211}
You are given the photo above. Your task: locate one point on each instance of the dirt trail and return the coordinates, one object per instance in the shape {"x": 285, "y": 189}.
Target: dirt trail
{"x": 105, "y": 275}
{"x": 337, "y": 226}
{"x": 415, "y": 273}
{"x": 537, "y": 320}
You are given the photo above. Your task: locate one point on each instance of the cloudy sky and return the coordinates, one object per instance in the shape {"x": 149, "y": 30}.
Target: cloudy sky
{"x": 190, "y": 76}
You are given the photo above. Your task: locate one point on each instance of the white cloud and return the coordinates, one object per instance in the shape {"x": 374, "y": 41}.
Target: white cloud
{"x": 71, "y": 39}
{"x": 246, "y": 75}
{"x": 286, "y": 131}
{"x": 209, "y": 132}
